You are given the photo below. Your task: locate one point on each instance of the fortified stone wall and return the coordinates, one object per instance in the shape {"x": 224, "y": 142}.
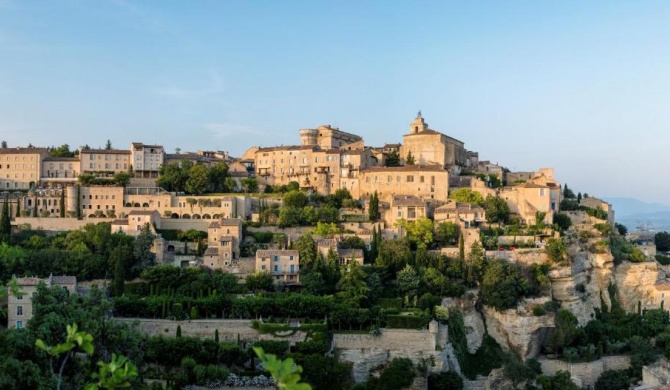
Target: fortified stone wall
{"x": 401, "y": 339}
{"x": 228, "y": 329}
{"x": 586, "y": 373}
{"x": 185, "y": 224}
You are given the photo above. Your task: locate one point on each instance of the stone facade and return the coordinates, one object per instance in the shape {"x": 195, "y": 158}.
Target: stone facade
{"x": 20, "y": 306}
{"x": 541, "y": 194}
{"x": 282, "y": 264}
{"x": 429, "y": 147}
{"x": 20, "y": 168}
{"x": 585, "y": 375}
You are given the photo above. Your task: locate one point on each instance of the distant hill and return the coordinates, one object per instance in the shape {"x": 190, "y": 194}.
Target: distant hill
{"x": 638, "y": 215}
{"x": 625, "y": 207}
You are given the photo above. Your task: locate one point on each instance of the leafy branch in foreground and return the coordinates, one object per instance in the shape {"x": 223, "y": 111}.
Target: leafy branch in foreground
{"x": 285, "y": 372}
{"x": 113, "y": 375}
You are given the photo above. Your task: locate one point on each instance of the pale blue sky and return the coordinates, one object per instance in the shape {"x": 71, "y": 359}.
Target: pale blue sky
{"x": 580, "y": 86}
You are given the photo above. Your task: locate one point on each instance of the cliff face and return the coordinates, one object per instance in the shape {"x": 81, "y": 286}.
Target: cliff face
{"x": 582, "y": 287}
{"x": 472, "y": 319}
{"x": 518, "y": 330}
{"x": 635, "y": 282}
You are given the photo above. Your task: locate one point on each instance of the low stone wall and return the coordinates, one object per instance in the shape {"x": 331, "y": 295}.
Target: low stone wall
{"x": 525, "y": 256}
{"x": 511, "y": 240}
{"x": 228, "y": 329}
{"x": 586, "y": 373}
{"x": 57, "y": 224}
{"x": 396, "y": 339}
{"x": 185, "y": 224}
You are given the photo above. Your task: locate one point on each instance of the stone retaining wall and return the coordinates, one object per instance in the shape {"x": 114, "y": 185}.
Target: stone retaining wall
{"x": 586, "y": 373}
{"x": 228, "y": 329}
{"x": 395, "y": 339}
{"x": 57, "y": 224}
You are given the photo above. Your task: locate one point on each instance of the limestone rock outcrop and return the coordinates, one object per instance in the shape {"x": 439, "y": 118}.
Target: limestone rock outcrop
{"x": 472, "y": 319}
{"x": 582, "y": 287}
{"x": 518, "y": 330}
{"x": 636, "y": 283}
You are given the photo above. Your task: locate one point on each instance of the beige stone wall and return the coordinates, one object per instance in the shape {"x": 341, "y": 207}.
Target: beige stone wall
{"x": 396, "y": 339}
{"x": 56, "y": 224}
{"x": 185, "y": 224}
{"x": 586, "y": 373}
{"x": 104, "y": 160}
{"x": 103, "y": 198}
{"x": 426, "y": 149}
{"x": 228, "y": 329}
{"x": 424, "y": 182}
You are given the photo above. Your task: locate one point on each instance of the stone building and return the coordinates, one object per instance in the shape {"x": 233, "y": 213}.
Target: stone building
{"x": 104, "y": 162}
{"x": 146, "y": 160}
{"x": 595, "y": 203}
{"x": 223, "y": 239}
{"x": 430, "y": 147}
{"x": 59, "y": 171}
{"x": 461, "y": 213}
{"x": 423, "y": 181}
{"x": 20, "y": 168}
{"x": 407, "y": 207}
{"x": 20, "y": 306}
{"x": 282, "y": 264}
{"x": 540, "y": 194}
{"x": 327, "y": 137}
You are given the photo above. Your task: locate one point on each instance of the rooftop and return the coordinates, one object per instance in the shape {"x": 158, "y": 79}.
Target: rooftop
{"x": 276, "y": 252}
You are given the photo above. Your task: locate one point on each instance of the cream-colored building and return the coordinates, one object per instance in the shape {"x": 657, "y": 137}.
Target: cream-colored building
{"x": 59, "y": 171}
{"x": 540, "y": 194}
{"x": 461, "y": 213}
{"x": 223, "y": 243}
{"x": 146, "y": 160}
{"x": 20, "y": 168}
{"x": 595, "y": 203}
{"x": 20, "y": 306}
{"x": 406, "y": 207}
{"x": 104, "y": 162}
{"x": 430, "y": 147}
{"x": 282, "y": 264}
{"x": 423, "y": 181}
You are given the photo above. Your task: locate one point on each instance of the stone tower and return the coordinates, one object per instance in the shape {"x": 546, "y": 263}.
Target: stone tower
{"x": 308, "y": 137}
{"x": 418, "y": 125}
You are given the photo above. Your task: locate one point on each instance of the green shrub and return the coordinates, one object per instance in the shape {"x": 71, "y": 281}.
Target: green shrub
{"x": 279, "y": 348}
{"x": 538, "y": 310}
{"x": 400, "y": 321}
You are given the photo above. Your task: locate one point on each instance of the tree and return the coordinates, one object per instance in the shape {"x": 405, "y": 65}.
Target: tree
{"x": 306, "y": 247}
{"x": 144, "y": 258}
{"x": 419, "y": 231}
{"x": 260, "y": 281}
{"x": 373, "y": 207}
{"x": 516, "y": 371}
{"x": 198, "y": 179}
{"x": 567, "y": 193}
{"x": 496, "y": 209}
{"x": 392, "y": 159}
{"x": 61, "y": 204}
{"x": 296, "y": 199}
{"x": 250, "y": 184}
{"x": 449, "y": 380}
{"x": 502, "y": 284}
{"x": 217, "y": 178}
{"x": 466, "y": 195}
{"x": 62, "y": 151}
{"x": 122, "y": 178}
{"x": 108, "y": 145}
{"x": 173, "y": 176}
{"x": 642, "y": 354}
{"x": 18, "y": 208}
{"x": 408, "y": 281}
{"x": 560, "y": 381}
{"x": 3, "y": 145}
{"x": 285, "y": 373}
{"x": 621, "y": 229}
{"x": 563, "y": 221}
{"x": 352, "y": 288}
{"x": 394, "y": 254}
{"x": 326, "y": 230}
{"x": 410, "y": 159}
{"x": 564, "y": 333}
{"x": 446, "y": 232}
{"x": 613, "y": 380}
{"x": 555, "y": 249}
{"x": 5, "y": 222}
{"x": 662, "y": 241}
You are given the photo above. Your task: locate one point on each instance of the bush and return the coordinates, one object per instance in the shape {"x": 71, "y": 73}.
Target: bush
{"x": 400, "y": 373}
{"x": 445, "y": 381}
{"x": 278, "y": 348}
{"x": 555, "y": 249}
{"x": 613, "y": 380}
{"x": 400, "y": 321}
{"x": 538, "y": 310}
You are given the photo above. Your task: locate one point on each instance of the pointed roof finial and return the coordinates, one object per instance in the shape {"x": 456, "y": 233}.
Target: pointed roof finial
{"x": 419, "y": 114}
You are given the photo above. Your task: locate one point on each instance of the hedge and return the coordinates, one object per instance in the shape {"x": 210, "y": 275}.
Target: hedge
{"x": 406, "y": 321}
{"x": 390, "y": 303}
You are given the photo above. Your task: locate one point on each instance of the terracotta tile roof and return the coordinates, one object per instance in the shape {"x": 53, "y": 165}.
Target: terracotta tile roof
{"x": 120, "y": 222}
{"x": 212, "y": 251}
{"x": 63, "y": 280}
{"x": 230, "y": 222}
{"x": 214, "y": 224}
{"x": 276, "y": 252}
{"x": 460, "y": 181}
{"x": 226, "y": 238}
{"x": 29, "y": 281}
{"x": 407, "y": 200}
{"x": 348, "y": 253}
{"x": 289, "y": 147}
{"x": 325, "y": 242}
{"x": 61, "y": 158}
{"x": 23, "y": 150}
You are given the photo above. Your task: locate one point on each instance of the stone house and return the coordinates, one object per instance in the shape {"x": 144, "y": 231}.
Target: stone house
{"x": 423, "y": 181}
{"x": 407, "y": 207}
{"x": 324, "y": 246}
{"x": 462, "y": 213}
{"x": 20, "y": 306}
{"x": 223, "y": 243}
{"x": 20, "y": 168}
{"x": 430, "y": 147}
{"x": 146, "y": 160}
{"x": 541, "y": 194}
{"x": 282, "y": 264}
{"x": 595, "y": 203}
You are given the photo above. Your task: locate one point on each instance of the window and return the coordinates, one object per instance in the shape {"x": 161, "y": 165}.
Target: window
{"x": 19, "y": 310}
{"x": 541, "y": 191}
{"x": 276, "y": 268}
{"x": 275, "y": 258}
{"x": 410, "y": 178}
{"x": 19, "y": 324}
{"x": 420, "y": 179}
{"x": 290, "y": 258}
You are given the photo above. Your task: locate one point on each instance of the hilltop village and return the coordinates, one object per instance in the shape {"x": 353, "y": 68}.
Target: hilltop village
{"x": 408, "y": 265}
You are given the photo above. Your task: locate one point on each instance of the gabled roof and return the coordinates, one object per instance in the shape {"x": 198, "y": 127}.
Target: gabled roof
{"x": 63, "y": 280}
{"x": 142, "y": 212}
{"x": 230, "y": 222}
{"x": 348, "y": 253}
{"x": 407, "y": 200}
{"x": 212, "y": 251}
{"x": 276, "y": 252}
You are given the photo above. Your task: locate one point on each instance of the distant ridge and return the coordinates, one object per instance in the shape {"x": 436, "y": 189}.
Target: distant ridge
{"x": 624, "y": 207}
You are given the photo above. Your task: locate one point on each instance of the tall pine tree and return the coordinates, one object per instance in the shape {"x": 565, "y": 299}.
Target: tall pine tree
{"x": 61, "y": 204}
{"x": 373, "y": 208}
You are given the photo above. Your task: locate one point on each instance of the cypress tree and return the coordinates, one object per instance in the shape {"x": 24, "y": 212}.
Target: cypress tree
{"x": 5, "y": 223}
{"x": 78, "y": 202}
{"x": 61, "y": 204}
{"x": 216, "y": 336}
{"x": 18, "y": 208}
{"x": 461, "y": 248}
{"x": 178, "y": 330}
{"x": 373, "y": 208}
